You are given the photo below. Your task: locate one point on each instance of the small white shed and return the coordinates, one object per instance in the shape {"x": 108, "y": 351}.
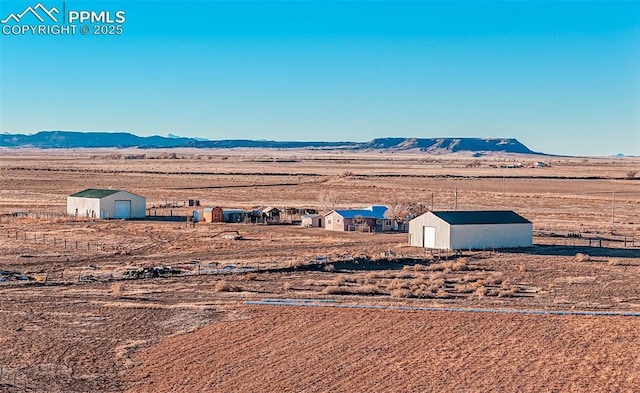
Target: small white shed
{"x": 106, "y": 203}
{"x": 461, "y": 230}
{"x": 311, "y": 221}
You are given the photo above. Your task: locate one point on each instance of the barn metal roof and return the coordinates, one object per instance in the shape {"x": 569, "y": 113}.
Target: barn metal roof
{"x": 95, "y": 193}
{"x": 478, "y": 217}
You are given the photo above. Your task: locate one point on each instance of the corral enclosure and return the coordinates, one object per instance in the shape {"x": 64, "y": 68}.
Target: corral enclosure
{"x": 81, "y": 313}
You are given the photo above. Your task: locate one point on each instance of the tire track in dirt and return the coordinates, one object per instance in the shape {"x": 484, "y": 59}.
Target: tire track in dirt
{"x": 294, "y": 349}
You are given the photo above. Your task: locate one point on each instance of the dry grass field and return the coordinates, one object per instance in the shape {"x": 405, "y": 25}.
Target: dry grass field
{"x": 73, "y": 321}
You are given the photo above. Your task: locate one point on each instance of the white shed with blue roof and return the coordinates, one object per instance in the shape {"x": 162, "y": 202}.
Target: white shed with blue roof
{"x": 478, "y": 230}
{"x": 368, "y": 219}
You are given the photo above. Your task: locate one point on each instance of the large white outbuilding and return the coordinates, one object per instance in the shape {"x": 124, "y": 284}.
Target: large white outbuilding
{"x": 106, "y": 203}
{"x": 462, "y": 230}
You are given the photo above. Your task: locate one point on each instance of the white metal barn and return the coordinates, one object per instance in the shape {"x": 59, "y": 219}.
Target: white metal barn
{"x": 461, "y": 230}
{"x": 106, "y": 203}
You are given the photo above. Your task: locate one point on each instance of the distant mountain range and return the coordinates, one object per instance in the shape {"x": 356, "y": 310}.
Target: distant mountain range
{"x": 72, "y": 139}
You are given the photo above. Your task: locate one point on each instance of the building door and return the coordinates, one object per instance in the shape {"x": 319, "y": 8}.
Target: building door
{"x": 429, "y": 237}
{"x": 122, "y": 209}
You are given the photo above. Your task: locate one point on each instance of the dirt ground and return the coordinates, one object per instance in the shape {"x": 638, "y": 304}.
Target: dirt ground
{"x": 74, "y": 319}
{"x": 296, "y": 350}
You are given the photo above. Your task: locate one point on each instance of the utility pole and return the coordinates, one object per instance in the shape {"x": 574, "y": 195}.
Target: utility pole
{"x": 613, "y": 211}
{"x": 455, "y": 203}
{"x": 432, "y": 201}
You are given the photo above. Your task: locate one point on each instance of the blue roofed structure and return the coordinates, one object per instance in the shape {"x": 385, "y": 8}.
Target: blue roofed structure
{"x": 367, "y": 219}
{"x": 375, "y": 211}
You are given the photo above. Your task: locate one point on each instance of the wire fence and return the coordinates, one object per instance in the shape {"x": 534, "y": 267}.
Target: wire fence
{"x": 35, "y": 215}
{"x": 579, "y": 239}
{"x": 62, "y": 242}
{"x": 99, "y": 248}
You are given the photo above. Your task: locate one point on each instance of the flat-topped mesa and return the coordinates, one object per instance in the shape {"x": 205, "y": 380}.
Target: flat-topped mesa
{"x": 74, "y": 139}
{"x": 452, "y": 145}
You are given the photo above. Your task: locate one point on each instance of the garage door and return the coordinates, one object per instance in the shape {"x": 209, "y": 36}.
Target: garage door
{"x": 429, "y": 237}
{"x": 123, "y": 209}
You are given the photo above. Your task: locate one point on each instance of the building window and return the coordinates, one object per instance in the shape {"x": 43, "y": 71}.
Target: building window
{"x": 328, "y": 221}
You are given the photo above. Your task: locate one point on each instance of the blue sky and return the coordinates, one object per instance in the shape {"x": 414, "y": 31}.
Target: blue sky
{"x": 562, "y": 77}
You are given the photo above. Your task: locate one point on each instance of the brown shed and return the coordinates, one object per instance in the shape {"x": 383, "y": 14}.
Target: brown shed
{"x": 212, "y": 214}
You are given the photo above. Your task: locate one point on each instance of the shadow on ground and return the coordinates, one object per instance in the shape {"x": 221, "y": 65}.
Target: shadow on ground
{"x": 561, "y": 250}
{"x": 363, "y": 264}
{"x": 165, "y": 218}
